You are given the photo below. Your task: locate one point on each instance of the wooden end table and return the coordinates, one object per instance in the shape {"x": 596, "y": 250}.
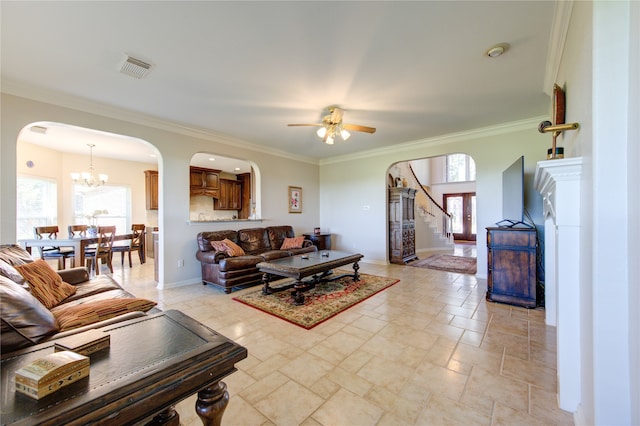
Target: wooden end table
{"x": 317, "y": 265}
{"x": 152, "y": 364}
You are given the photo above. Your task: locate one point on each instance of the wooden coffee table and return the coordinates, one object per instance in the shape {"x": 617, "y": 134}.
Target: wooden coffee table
{"x": 317, "y": 265}
{"x": 152, "y": 364}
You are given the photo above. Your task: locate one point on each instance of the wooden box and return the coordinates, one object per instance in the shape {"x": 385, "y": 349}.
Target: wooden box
{"x": 50, "y": 373}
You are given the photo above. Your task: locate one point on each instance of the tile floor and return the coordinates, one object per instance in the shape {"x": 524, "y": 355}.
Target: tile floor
{"x": 429, "y": 350}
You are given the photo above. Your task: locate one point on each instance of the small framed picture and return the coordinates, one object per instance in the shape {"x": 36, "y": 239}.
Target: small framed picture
{"x": 295, "y": 199}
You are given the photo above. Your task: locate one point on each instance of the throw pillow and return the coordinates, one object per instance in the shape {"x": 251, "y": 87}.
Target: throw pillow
{"x": 292, "y": 243}
{"x": 233, "y": 249}
{"x": 25, "y": 321}
{"x": 8, "y": 271}
{"x": 45, "y": 284}
{"x": 219, "y": 246}
{"x": 100, "y": 310}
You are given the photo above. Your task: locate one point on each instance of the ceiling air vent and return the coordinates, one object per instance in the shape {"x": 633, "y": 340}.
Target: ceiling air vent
{"x": 134, "y": 67}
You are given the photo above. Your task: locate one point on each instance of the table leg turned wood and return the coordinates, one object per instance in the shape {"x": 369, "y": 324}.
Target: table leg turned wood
{"x": 211, "y": 404}
{"x": 168, "y": 417}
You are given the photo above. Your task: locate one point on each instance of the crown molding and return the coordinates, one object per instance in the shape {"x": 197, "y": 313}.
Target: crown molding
{"x": 557, "y": 39}
{"x": 482, "y": 132}
{"x": 81, "y": 104}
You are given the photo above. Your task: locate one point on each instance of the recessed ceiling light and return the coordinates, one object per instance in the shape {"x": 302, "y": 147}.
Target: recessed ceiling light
{"x": 497, "y": 50}
{"x": 237, "y": 169}
{"x": 212, "y": 159}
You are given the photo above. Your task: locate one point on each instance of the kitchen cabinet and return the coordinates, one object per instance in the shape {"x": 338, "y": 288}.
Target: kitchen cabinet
{"x": 204, "y": 182}
{"x": 151, "y": 189}
{"x": 511, "y": 257}
{"x": 230, "y": 195}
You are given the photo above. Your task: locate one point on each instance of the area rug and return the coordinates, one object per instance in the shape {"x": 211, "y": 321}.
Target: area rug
{"x": 321, "y": 303}
{"x": 447, "y": 262}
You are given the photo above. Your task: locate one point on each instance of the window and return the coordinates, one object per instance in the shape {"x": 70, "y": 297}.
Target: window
{"x": 102, "y": 206}
{"x": 37, "y": 204}
{"x": 460, "y": 168}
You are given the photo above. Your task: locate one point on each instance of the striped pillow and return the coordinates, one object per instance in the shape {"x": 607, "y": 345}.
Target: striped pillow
{"x": 45, "y": 284}
{"x": 292, "y": 243}
{"x": 233, "y": 249}
{"x": 219, "y": 246}
{"x": 100, "y": 310}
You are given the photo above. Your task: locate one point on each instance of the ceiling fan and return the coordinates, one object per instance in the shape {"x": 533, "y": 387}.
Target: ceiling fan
{"x": 333, "y": 126}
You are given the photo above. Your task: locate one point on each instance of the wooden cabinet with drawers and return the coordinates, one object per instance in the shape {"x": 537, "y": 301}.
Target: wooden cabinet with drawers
{"x": 512, "y": 266}
{"x": 402, "y": 231}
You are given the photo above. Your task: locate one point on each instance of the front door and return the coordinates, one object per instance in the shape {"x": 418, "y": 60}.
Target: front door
{"x": 462, "y": 207}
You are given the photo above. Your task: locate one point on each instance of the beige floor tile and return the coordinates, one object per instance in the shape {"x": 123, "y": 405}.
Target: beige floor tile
{"x": 443, "y": 411}
{"x": 350, "y": 381}
{"x": 290, "y": 404}
{"x": 440, "y": 380}
{"x": 346, "y": 408}
{"x": 506, "y": 416}
{"x": 530, "y": 372}
{"x": 404, "y": 409}
{"x": 261, "y": 389}
{"x": 544, "y": 406}
{"x": 484, "y": 388}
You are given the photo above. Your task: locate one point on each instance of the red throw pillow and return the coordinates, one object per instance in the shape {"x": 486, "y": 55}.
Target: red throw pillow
{"x": 233, "y": 249}
{"x": 219, "y": 246}
{"x": 292, "y": 243}
{"x": 45, "y": 284}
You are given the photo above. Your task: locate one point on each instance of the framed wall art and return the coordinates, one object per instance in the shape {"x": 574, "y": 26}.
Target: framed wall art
{"x": 295, "y": 199}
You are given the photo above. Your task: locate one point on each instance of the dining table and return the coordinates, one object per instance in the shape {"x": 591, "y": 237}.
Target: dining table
{"x": 79, "y": 244}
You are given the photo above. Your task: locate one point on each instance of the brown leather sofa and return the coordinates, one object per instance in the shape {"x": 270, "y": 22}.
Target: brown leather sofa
{"x": 259, "y": 244}
{"x": 25, "y": 321}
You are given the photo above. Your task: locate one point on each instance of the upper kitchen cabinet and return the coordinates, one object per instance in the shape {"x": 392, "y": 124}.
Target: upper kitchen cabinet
{"x": 230, "y": 195}
{"x": 204, "y": 181}
{"x": 151, "y": 189}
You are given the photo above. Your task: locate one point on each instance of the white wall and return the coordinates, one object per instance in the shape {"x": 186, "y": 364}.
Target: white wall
{"x": 176, "y": 147}
{"x": 353, "y": 192}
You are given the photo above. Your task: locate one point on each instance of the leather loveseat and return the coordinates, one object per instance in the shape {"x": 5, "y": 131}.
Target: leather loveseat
{"x": 259, "y": 244}
{"x": 26, "y": 321}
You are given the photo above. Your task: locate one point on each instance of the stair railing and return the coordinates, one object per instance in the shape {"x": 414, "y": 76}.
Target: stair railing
{"x": 434, "y": 212}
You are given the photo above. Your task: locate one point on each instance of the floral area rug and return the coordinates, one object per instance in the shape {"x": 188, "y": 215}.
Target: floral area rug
{"x": 321, "y": 303}
{"x": 446, "y": 262}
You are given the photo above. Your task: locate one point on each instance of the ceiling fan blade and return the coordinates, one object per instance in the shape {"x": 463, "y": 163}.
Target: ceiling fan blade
{"x": 314, "y": 124}
{"x": 359, "y": 128}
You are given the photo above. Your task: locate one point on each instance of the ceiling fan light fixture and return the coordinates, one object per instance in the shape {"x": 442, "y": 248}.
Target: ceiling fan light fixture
{"x": 322, "y": 131}
{"x": 345, "y": 135}
{"x": 329, "y": 140}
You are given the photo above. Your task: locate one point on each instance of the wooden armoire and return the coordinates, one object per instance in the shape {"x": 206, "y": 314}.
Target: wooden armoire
{"x": 402, "y": 228}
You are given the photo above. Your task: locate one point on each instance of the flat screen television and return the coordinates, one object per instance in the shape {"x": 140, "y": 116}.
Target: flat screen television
{"x": 513, "y": 195}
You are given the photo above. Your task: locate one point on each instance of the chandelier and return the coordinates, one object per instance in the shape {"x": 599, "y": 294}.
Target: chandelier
{"x": 89, "y": 178}
{"x": 329, "y": 132}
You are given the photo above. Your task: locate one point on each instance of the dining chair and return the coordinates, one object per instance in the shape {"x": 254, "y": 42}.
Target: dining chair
{"x": 52, "y": 252}
{"x": 136, "y": 243}
{"x": 78, "y": 231}
{"x": 102, "y": 251}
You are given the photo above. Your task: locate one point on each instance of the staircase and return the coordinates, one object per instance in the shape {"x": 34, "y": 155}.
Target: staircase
{"x": 437, "y": 220}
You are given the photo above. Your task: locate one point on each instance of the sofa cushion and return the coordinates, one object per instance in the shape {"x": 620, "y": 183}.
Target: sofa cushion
{"x": 233, "y": 249}
{"x": 14, "y": 255}
{"x": 99, "y": 284}
{"x": 25, "y": 321}
{"x": 292, "y": 243}
{"x": 239, "y": 263}
{"x": 254, "y": 240}
{"x": 8, "y": 271}
{"x": 204, "y": 238}
{"x": 277, "y": 234}
{"x": 88, "y": 313}
{"x": 45, "y": 284}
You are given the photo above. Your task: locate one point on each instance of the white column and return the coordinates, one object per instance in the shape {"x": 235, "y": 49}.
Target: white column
{"x": 559, "y": 183}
